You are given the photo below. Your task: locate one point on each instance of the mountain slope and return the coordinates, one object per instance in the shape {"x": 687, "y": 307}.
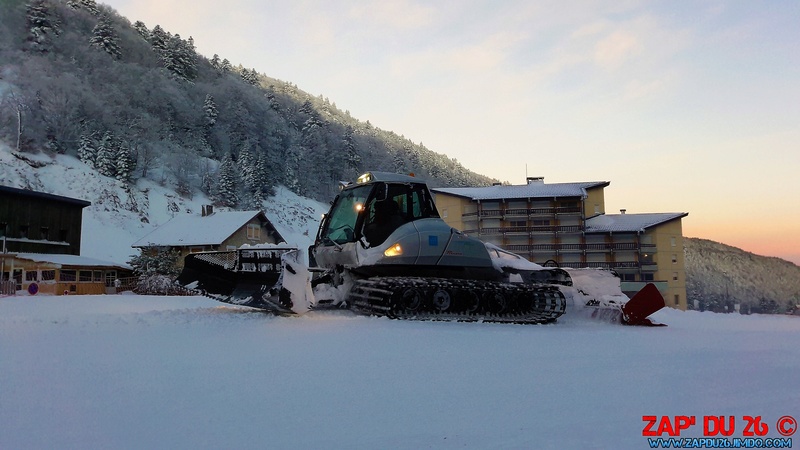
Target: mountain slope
{"x": 121, "y": 213}
{"x": 718, "y": 274}
{"x": 138, "y": 102}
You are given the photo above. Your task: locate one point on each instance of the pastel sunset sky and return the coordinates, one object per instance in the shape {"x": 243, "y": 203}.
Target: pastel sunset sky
{"x": 684, "y": 106}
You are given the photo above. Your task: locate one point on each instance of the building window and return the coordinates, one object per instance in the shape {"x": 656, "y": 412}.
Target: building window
{"x": 30, "y": 275}
{"x": 674, "y": 276}
{"x": 677, "y": 299}
{"x": 628, "y": 277}
{"x": 647, "y": 277}
{"x": 97, "y": 276}
{"x": 85, "y": 275}
{"x": 674, "y": 258}
{"x": 253, "y": 231}
{"x": 48, "y": 275}
{"x": 23, "y": 231}
{"x": 444, "y": 214}
{"x": 673, "y": 241}
{"x": 597, "y": 208}
{"x": 67, "y": 275}
{"x": 44, "y": 232}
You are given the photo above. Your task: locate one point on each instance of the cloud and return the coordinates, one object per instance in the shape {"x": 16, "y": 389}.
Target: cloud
{"x": 394, "y": 14}
{"x": 617, "y": 48}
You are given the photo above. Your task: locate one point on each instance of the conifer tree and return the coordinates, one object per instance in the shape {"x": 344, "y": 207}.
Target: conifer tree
{"x": 106, "y": 156}
{"x": 104, "y": 36}
{"x": 227, "y": 183}
{"x": 158, "y": 39}
{"x": 125, "y": 163}
{"x": 90, "y": 5}
{"x": 87, "y": 150}
{"x": 141, "y": 28}
{"x": 210, "y": 110}
{"x": 351, "y": 156}
{"x": 42, "y": 26}
{"x": 250, "y": 76}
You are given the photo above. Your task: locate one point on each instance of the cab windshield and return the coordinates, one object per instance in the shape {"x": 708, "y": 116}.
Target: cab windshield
{"x": 341, "y": 222}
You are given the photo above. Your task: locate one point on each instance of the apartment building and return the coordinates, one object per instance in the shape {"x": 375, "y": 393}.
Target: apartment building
{"x": 566, "y": 224}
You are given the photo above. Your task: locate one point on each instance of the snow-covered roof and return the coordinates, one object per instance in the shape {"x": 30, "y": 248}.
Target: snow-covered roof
{"x": 44, "y": 195}
{"x": 186, "y": 230}
{"x": 619, "y": 223}
{"x": 70, "y": 260}
{"x": 530, "y": 190}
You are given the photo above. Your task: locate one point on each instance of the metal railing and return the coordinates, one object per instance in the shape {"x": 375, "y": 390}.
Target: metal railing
{"x": 8, "y": 287}
{"x": 523, "y": 212}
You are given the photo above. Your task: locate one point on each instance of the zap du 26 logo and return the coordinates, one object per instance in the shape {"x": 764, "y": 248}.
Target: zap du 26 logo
{"x": 714, "y": 426}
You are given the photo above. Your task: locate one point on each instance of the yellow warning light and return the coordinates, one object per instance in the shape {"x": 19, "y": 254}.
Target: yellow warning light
{"x": 394, "y": 250}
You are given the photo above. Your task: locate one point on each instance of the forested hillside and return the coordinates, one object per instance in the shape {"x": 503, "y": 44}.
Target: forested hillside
{"x": 718, "y": 275}
{"x": 134, "y": 100}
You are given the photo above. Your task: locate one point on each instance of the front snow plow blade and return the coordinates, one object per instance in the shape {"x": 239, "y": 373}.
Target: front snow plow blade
{"x": 645, "y": 302}
{"x": 633, "y": 312}
{"x": 247, "y": 277}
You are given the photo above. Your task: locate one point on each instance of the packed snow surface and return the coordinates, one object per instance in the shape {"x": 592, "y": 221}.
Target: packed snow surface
{"x": 128, "y": 371}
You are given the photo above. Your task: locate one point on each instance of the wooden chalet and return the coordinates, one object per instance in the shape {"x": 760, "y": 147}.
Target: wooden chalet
{"x": 211, "y": 231}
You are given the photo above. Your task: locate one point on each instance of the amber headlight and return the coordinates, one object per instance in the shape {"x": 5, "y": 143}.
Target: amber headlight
{"x": 394, "y": 250}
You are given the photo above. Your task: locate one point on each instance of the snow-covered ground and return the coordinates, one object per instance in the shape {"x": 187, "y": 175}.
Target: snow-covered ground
{"x": 131, "y": 371}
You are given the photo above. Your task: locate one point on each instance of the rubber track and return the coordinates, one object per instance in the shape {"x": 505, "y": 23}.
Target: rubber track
{"x": 469, "y": 300}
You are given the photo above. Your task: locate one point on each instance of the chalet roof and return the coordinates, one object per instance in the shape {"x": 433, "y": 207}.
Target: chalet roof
{"x": 69, "y": 260}
{"x": 525, "y": 191}
{"x": 213, "y": 229}
{"x": 43, "y": 195}
{"x": 621, "y": 223}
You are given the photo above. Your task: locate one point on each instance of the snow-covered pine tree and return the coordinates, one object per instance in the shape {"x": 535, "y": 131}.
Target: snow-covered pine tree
{"x": 291, "y": 171}
{"x": 87, "y": 150}
{"x": 42, "y": 26}
{"x": 141, "y": 28}
{"x": 91, "y": 6}
{"x": 351, "y": 157}
{"x": 125, "y": 163}
{"x": 226, "y": 65}
{"x": 273, "y": 102}
{"x": 264, "y": 174}
{"x": 215, "y": 63}
{"x": 227, "y": 182}
{"x": 210, "y": 110}
{"x": 158, "y": 39}
{"x": 251, "y": 168}
{"x": 187, "y": 58}
{"x": 250, "y": 76}
{"x": 106, "y": 156}
{"x": 104, "y": 37}
{"x": 179, "y": 58}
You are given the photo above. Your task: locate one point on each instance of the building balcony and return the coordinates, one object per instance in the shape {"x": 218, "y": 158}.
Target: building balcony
{"x": 521, "y": 212}
{"x": 519, "y": 231}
